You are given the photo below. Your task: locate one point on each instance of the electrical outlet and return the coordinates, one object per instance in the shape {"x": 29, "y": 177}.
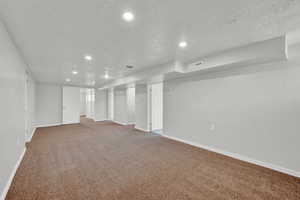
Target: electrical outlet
{"x": 212, "y": 127}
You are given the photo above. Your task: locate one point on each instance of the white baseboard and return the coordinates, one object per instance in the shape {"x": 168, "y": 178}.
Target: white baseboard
{"x": 141, "y": 129}
{"x": 120, "y": 123}
{"x": 69, "y": 123}
{"x": 101, "y": 120}
{"x": 239, "y": 157}
{"x": 158, "y": 131}
{"x": 4, "y": 193}
{"x": 48, "y": 125}
{"x": 130, "y": 124}
{"x": 29, "y": 139}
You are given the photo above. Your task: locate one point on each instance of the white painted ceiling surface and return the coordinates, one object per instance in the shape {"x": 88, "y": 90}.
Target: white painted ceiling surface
{"x": 54, "y": 35}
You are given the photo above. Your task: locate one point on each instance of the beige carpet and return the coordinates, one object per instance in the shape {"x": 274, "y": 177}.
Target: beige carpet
{"x": 106, "y": 161}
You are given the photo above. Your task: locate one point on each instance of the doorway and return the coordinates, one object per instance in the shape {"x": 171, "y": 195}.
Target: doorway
{"x": 87, "y": 104}
{"x": 155, "y": 100}
{"x": 90, "y": 103}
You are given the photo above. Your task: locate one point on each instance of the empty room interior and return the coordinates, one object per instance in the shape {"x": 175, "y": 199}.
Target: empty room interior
{"x": 150, "y": 100}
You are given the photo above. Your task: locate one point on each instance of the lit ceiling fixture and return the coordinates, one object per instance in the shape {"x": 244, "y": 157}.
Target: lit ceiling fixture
{"x": 128, "y": 16}
{"x": 88, "y": 57}
{"x": 182, "y": 44}
{"x": 68, "y": 80}
{"x": 106, "y": 76}
{"x": 74, "y": 72}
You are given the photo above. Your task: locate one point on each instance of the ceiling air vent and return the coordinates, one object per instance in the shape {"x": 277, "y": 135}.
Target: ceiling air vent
{"x": 198, "y": 63}
{"x": 129, "y": 66}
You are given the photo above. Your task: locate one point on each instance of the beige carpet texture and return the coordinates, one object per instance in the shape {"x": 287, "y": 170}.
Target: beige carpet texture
{"x": 107, "y": 161}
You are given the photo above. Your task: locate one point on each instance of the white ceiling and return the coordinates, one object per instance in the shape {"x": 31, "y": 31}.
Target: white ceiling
{"x": 54, "y": 35}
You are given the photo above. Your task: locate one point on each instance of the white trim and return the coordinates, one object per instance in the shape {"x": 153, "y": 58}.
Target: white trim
{"x": 158, "y": 131}
{"x": 12, "y": 175}
{"x": 101, "y": 120}
{"x": 239, "y": 157}
{"x": 120, "y": 123}
{"x": 70, "y": 123}
{"x": 141, "y": 129}
{"x": 48, "y": 125}
{"x": 32, "y": 133}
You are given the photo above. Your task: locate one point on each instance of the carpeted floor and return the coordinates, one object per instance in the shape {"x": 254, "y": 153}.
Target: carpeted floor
{"x": 106, "y": 161}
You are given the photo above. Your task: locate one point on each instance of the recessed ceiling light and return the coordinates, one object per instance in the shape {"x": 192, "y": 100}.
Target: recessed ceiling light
{"x": 182, "y": 44}
{"x": 106, "y": 76}
{"x": 128, "y": 16}
{"x": 88, "y": 57}
{"x": 74, "y": 72}
{"x": 68, "y": 80}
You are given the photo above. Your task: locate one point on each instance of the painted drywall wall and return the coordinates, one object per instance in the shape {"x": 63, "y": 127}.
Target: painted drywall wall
{"x": 253, "y": 114}
{"x": 120, "y": 106}
{"x": 130, "y": 98}
{"x": 141, "y": 109}
{"x": 100, "y": 105}
{"x": 12, "y": 106}
{"x": 90, "y": 103}
{"x": 124, "y": 105}
{"x": 71, "y": 105}
{"x": 82, "y": 101}
{"x": 48, "y": 104}
{"x": 110, "y": 104}
{"x": 157, "y": 107}
{"x": 30, "y": 107}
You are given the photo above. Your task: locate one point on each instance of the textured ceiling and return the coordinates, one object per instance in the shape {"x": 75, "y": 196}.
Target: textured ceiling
{"x": 54, "y": 35}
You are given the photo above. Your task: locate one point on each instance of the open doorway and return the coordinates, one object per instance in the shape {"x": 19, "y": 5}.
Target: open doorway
{"x": 90, "y": 103}
{"x": 87, "y": 104}
{"x": 78, "y": 104}
{"x": 155, "y": 100}
{"x": 82, "y": 102}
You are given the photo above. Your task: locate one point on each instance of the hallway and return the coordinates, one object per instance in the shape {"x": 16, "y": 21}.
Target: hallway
{"x": 103, "y": 160}
{"x": 150, "y": 100}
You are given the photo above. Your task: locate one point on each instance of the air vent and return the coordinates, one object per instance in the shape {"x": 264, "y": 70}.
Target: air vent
{"x": 199, "y": 63}
{"x": 129, "y": 66}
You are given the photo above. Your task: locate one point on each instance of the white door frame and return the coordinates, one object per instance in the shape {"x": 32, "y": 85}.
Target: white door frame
{"x": 155, "y": 89}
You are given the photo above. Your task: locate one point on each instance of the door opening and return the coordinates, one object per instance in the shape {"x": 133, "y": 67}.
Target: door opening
{"x": 155, "y": 100}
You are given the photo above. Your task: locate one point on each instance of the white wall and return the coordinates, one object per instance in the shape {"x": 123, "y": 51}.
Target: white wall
{"x": 130, "y": 98}
{"x": 31, "y": 104}
{"x": 12, "y": 107}
{"x": 48, "y": 104}
{"x": 100, "y": 105}
{"x": 110, "y": 104}
{"x": 120, "y": 106}
{"x": 71, "y": 105}
{"x": 255, "y": 115}
{"x": 82, "y": 101}
{"x": 90, "y": 103}
{"x": 124, "y": 105}
{"x": 157, "y": 107}
{"x": 141, "y": 109}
